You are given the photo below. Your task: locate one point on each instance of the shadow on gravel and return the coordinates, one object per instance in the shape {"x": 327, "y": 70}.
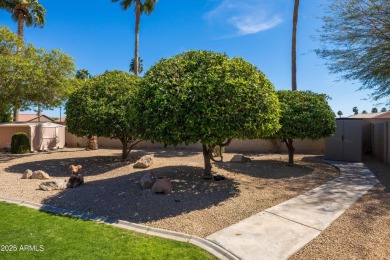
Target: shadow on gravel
{"x": 60, "y": 167}
{"x": 123, "y": 198}
{"x": 6, "y": 156}
{"x": 262, "y": 169}
{"x": 168, "y": 153}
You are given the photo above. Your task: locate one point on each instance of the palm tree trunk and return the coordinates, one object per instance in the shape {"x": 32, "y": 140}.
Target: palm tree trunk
{"x": 137, "y": 22}
{"x": 16, "y": 109}
{"x": 20, "y": 27}
{"x": 294, "y": 47}
{"x": 92, "y": 143}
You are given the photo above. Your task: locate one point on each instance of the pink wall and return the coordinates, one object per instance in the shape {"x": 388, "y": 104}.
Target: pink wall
{"x": 258, "y": 145}
{"x": 6, "y": 133}
{"x": 52, "y": 136}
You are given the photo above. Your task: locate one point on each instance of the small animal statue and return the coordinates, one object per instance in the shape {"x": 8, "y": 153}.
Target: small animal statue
{"x": 76, "y": 179}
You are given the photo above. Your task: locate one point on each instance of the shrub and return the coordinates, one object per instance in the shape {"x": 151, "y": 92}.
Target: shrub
{"x": 206, "y": 97}
{"x": 20, "y": 144}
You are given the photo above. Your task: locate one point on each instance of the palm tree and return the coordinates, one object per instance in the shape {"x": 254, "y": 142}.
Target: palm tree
{"x": 355, "y": 110}
{"x": 294, "y": 47}
{"x": 140, "y": 65}
{"x": 147, "y": 7}
{"x": 29, "y": 12}
{"x": 340, "y": 113}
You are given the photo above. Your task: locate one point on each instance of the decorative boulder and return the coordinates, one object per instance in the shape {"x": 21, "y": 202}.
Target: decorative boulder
{"x": 27, "y": 174}
{"x": 75, "y": 181}
{"x": 40, "y": 175}
{"x": 162, "y": 185}
{"x": 240, "y": 158}
{"x": 147, "y": 180}
{"x": 53, "y": 185}
{"x": 144, "y": 162}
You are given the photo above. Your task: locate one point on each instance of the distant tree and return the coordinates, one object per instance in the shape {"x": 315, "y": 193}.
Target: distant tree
{"x": 356, "y": 40}
{"x": 294, "y": 46}
{"x": 140, "y": 66}
{"x": 364, "y": 112}
{"x": 304, "y": 115}
{"x": 383, "y": 109}
{"x": 83, "y": 74}
{"x": 206, "y": 97}
{"x": 355, "y": 110}
{"x": 104, "y": 107}
{"x": 374, "y": 110}
{"x": 29, "y": 12}
{"x": 340, "y": 113}
{"x": 145, "y": 6}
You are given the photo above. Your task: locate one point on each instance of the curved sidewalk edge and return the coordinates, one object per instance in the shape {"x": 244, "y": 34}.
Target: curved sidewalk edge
{"x": 205, "y": 244}
{"x": 282, "y": 230}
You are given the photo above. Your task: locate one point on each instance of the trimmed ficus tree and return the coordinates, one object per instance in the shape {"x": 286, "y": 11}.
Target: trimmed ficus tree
{"x": 304, "y": 115}
{"x": 104, "y": 106}
{"x": 206, "y": 97}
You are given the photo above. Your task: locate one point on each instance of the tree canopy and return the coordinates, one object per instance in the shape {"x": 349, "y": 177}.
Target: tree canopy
{"x": 304, "y": 115}
{"x": 356, "y": 43}
{"x": 104, "y": 106}
{"x": 207, "y": 97}
{"x": 32, "y": 76}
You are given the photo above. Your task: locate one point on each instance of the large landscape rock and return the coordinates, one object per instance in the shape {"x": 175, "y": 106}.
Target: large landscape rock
{"x": 27, "y": 174}
{"x": 239, "y": 158}
{"x": 40, "y": 175}
{"x": 147, "y": 180}
{"x": 53, "y": 185}
{"x": 144, "y": 162}
{"x": 162, "y": 185}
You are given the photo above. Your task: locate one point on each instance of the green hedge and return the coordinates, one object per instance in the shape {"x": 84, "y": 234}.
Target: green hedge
{"x": 20, "y": 144}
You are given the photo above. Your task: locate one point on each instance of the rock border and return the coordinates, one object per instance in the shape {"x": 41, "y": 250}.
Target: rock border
{"x": 211, "y": 247}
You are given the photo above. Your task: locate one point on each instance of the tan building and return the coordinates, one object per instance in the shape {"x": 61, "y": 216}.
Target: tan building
{"x": 42, "y": 136}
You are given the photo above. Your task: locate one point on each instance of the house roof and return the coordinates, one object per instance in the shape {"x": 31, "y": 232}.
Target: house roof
{"x": 372, "y": 115}
{"x": 31, "y": 117}
{"x": 18, "y": 124}
{"x": 61, "y": 120}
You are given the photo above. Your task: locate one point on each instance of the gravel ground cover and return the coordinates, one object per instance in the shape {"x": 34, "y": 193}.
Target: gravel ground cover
{"x": 196, "y": 206}
{"x": 363, "y": 231}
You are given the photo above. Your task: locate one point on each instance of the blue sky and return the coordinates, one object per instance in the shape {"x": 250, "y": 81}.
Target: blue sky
{"x": 100, "y": 36}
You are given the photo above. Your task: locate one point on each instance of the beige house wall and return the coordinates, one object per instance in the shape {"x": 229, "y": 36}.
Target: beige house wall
{"x": 52, "y": 136}
{"x": 6, "y": 134}
{"x": 258, "y": 145}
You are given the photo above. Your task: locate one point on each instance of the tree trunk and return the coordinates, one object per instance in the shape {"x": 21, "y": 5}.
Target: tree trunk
{"x": 291, "y": 149}
{"x": 16, "y": 109}
{"x": 137, "y": 22}
{"x": 16, "y": 114}
{"x": 294, "y": 47}
{"x": 20, "y": 27}
{"x": 207, "y": 155}
{"x": 92, "y": 143}
{"x": 125, "y": 150}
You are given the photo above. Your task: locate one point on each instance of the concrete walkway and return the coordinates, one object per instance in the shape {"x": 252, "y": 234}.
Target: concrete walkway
{"x": 280, "y": 231}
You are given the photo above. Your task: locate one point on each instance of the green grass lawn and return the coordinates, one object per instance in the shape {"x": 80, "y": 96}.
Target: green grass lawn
{"x": 39, "y": 235}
